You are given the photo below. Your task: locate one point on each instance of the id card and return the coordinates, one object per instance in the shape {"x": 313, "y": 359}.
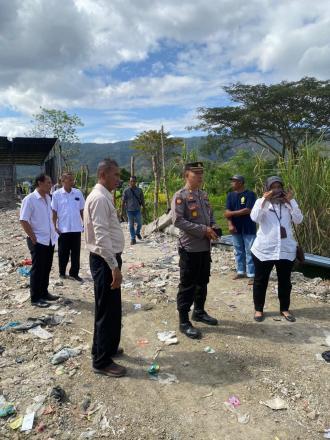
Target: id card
{"x": 283, "y": 232}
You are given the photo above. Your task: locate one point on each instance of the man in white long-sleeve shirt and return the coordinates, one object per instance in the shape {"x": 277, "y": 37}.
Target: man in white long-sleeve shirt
{"x": 105, "y": 241}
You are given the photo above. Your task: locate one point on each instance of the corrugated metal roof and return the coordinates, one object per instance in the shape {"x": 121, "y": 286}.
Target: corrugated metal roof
{"x": 25, "y": 151}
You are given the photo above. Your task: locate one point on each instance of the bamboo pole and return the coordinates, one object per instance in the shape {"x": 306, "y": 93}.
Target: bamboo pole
{"x": 168, "y": 202}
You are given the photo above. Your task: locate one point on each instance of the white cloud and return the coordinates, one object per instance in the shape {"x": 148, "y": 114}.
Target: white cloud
{"x": 14, "y": 126}
{"x": 48, "y": 50}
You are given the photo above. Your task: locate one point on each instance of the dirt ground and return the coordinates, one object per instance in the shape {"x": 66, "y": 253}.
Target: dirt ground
{"x": 252, "y": 361}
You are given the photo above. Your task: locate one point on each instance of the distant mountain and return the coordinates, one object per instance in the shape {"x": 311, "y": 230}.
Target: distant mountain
{"x": 91, "y": 154}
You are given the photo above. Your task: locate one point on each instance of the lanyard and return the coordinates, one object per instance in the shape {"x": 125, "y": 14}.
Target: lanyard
{"x": 279, "y": 218}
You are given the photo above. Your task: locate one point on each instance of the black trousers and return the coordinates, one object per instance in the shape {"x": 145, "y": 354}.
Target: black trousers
{"x": 69, "y": 246}
{"x": 261, "y": 278}
{"x": 107, "y": 320}
{"x": 42, "y": 260}
{"x": 195, "y": 270}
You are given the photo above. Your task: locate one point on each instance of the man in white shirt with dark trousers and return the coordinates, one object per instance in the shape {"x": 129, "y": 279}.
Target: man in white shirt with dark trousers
{"x": 105, "y": 241}
{"x": 68, "y": 208}
{"x": 36, "y": 220}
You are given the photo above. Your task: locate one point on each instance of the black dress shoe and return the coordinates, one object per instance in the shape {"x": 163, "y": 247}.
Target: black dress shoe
{"x": 50, "y": 297}
{"x": 41, "y": 304}
{"x": 77, "y": 278}
{"x": 189, "y": 330}
{"x": 133, "y": 241}
{"x": 139, "y": 236}
{"x": 202, "y": 316}
{"x": 259, "y": 318}
{"x": 289, "y": 317}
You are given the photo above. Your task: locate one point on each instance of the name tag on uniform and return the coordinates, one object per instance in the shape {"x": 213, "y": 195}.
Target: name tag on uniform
{"x": 243, "y": 200}
{"x": 77, "y": 198}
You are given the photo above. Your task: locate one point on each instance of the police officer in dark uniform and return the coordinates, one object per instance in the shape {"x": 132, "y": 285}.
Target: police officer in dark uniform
{"x": 192, "y": 214}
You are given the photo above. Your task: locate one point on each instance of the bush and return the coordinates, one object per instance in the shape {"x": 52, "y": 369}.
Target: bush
{"x": 308, "y": 175}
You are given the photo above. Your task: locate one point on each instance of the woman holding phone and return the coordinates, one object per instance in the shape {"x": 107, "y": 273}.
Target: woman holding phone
{"x": 274, "y": 245}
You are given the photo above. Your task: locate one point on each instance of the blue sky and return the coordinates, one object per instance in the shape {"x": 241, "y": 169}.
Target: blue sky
{"x": 131, "y": 65}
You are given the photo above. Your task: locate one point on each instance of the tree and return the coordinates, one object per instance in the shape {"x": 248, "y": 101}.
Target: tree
{"x": 277, "y": 117}
{"x": 149, "y": 145}
{"x": 59, "y": 124}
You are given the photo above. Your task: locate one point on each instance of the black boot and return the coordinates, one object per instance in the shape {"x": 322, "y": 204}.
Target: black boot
{"x": 202, "y": 316}
{"x": 187, "y": 328}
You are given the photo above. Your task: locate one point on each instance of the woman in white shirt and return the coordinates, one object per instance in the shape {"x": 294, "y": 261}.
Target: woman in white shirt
{"x": 274, "y": 244}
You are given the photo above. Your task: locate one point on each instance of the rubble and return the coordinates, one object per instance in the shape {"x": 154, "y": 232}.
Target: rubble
{"x": 69, "y": 402}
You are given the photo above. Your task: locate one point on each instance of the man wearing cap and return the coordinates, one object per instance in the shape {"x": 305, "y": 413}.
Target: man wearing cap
{"x": 133, "y": 201}
{"x": 192, "y": 214}
{"x": 238, "y": 208}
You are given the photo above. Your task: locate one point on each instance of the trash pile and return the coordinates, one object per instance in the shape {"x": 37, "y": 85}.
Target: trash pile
{"x": 47, "y": 385}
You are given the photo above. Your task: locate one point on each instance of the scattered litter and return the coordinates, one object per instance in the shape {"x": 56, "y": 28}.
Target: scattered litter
{"x": 87, "y": 434}
{"x": 6, "y": 409}
{"x": 36, "y": 405}
{"x": 207, "y": 395}
{"x": 60, "y": 370}
{"x": 165, "y": 378}
{"x": 185, "y": 363}
{"x": 17, "y": 423}
{"x": 58, "y": 394}
{"x": 64, "y": 354}
{"x": 142, "y": 342}
{"x": 28, "y": 420}
{"x": 276, "y": 404}
{"x": 153, "y": 369}
{"x": 234, "y": 401}
{"x": 22, "y": 297}
{"x": 209, "y": 350}
{"x": 40, "y": 332}
{"x": 326, "y": 433}
{"x": 136, "y": 266}
{"x": 24, "y": 271}
{"x": 40, "y": 427}
{"x": 86, "y": 404}
{"x": 9, "y": 325}
{"x": 27, "y": 262}
{"x": 168, "y": 337}
{"x": 241, "y": 418}
{"x": 326, "y": 355}
{"x": 48, "y": 410}
{"x": 137, "y": 306}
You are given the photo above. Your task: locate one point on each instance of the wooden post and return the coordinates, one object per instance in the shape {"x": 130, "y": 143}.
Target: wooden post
{"x": 132, "y": 166}
{"x": 156, "y": 186}
{"x": 86, "y": 175}
{"x": 168, "y": 202}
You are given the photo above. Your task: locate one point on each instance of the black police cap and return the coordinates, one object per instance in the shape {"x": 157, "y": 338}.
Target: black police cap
{"x": 194, "y": 166}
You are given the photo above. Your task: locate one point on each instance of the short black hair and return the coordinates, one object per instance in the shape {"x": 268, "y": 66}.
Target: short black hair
{"x": 40, "y": 178}
{"x": 133, "y": 177}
